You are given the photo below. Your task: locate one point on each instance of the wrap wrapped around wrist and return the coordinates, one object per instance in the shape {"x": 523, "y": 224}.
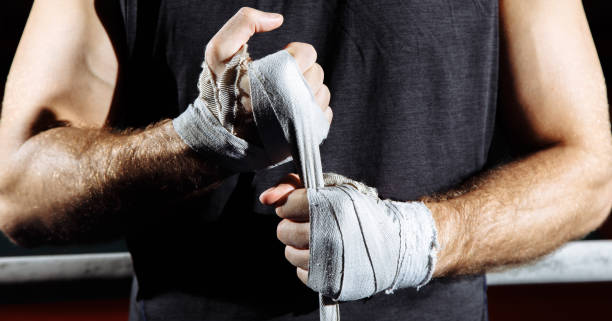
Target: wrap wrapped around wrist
{"x": 278, "y": 95}
{"x": 361, "y": 245}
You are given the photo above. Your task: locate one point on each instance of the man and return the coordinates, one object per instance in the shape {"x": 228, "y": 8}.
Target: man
{"x": 414, "y": 93}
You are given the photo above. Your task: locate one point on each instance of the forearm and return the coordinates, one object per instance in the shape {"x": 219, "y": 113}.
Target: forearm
{"x": 522, "y": 210}
{"x": 63, "y": 181}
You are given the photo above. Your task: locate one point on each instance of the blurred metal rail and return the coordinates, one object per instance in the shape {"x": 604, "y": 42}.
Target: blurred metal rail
{"x": 580, "y": 261}
{"x": 43, "y": 268}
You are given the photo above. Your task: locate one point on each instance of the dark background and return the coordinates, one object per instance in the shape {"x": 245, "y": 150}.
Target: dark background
{"x": 107, "y": 300}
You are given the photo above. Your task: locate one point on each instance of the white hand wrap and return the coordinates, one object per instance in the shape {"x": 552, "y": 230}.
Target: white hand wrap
{"x": 287, "y": 115}
{"x": 361, "y": 245}
{"x": 279, "y": 95}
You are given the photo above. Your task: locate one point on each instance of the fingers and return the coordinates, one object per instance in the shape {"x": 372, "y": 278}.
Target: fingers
{"x": 294, "y": 234}
{"x": 314, "y": 77}
{"x": 290, "y": 199}
{"x": 237, "y": 31}
{"x": 322, "y": 98}
{"x": 294, "y": 229}
{"x": 304, "y": 54}
{"x": 298, "y": 258}
{"x": 329, "y": 114}
{"x": 295, "y": 206}
{"x": 302, "y": 275}
{"x": 278, "y": 193}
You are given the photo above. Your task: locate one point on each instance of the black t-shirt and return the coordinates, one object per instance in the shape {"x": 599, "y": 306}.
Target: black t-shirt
{"x": 413, "y": 86}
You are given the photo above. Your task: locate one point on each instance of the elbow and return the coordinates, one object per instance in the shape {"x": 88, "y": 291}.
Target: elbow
{"x": 20, "y": 222}
{"x": 606, "y": 194}
{"x": 602, "y": 194}
{"x": 603, "y": 212}
{"x": 8, "y": 221}
{"x": 607, "y": 179}
{"x": 18, "y": 230}
{"x": 592, "y": 184}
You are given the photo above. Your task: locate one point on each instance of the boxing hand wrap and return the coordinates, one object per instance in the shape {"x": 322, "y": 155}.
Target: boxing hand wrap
{"x": 288, "y": 118}
{"x": 279, "y": 94}
{"x": 223, "y": 94}
{"x": 361, "y": 245}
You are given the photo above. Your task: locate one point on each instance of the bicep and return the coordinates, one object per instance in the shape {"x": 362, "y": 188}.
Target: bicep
{"x": 552, "y": 87}
{"x": 64, "y": 71}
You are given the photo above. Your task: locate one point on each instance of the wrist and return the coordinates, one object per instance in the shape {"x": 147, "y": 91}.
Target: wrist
{"x": 450, "y": 237}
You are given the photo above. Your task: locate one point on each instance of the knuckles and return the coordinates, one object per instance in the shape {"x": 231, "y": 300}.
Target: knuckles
{"x": 246, "y": 12}
{"x": 295, "y": 206}
{"x": 210, "y": 53}
{"x": 280, "y": 231}
{"x": 319, "y": 71}
{"x": 298, "y": 258}
{"x": 325, "y": 93}
{"x": 293, "y": 234}
{"x": 302, "y": 275}
{"x": 310, "y": 51}
{"x": 303, "y": 47}
{"x": 302, "y": 50}
{"x": 212, "y": 47}
{"x": 330, "y": 114}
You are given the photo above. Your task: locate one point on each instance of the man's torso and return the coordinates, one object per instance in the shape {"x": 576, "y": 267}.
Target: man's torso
{"x": 414, "y": 97}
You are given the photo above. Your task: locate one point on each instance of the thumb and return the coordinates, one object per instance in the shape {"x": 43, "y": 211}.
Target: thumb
{"x": 237, "y": 31}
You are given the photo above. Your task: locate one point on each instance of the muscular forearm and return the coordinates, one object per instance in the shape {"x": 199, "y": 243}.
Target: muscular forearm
{"x": 71, "y": 183}
{"x": 523, "y": 210}
{"x": 63, "y": 181}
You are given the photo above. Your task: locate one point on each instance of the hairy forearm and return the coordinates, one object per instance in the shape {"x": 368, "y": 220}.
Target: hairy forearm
{"x": 522, "y": 210}
{"x": 64, "y": 181}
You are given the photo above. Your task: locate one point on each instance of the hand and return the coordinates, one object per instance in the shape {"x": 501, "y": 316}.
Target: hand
{"x": 385, "y": 244}
{"x": 220, "y": 119}
{"x": 240, "y": 28}
{"x": 291, "y": 202}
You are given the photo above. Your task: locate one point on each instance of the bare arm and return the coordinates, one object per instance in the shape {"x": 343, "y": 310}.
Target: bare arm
{"x": 63, "y": 176}
{"x": 555, "y": 106}
{"x": 557, "y": 111}
{"x": 73, "y": 184}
